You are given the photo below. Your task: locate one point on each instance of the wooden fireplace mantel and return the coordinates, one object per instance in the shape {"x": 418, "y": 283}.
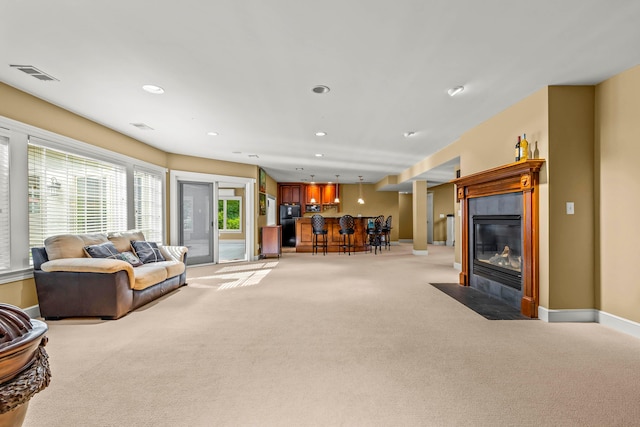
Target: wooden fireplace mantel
{"x": 520, "y": 177}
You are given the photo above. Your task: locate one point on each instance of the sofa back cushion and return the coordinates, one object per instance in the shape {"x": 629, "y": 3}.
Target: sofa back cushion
{"x": 71, "y": 245}
{"x": 122, "y": 239}
{"x": 147, "y": 251}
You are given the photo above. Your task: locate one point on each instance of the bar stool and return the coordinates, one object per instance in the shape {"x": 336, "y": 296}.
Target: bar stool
{"x": 317, "y": 224}
{"x": 386, "y": 233}
{"x": 347, "y": 229}
{"x": 375, "y": 233}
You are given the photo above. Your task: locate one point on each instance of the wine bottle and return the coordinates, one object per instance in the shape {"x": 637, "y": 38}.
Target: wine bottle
{"x": 518, "y": 150}
{"x": 524, "y": 148}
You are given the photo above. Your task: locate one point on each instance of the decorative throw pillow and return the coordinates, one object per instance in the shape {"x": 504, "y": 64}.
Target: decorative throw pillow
{"x": 131, "y": 258}
{"x": 103, "y": 250}
{"x": 147, "y": 251}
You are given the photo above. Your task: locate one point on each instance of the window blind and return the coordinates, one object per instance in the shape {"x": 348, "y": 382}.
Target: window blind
{"x": 147, "y": 190}
{"x": 73, "y": 194}
{"x": 5, "y": 230}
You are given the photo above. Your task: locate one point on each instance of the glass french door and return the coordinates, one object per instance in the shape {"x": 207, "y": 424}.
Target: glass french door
{"x": 196, "y": 219}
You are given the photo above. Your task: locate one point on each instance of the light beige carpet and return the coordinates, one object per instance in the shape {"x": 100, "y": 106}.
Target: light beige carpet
{"x": 312, "y": 340}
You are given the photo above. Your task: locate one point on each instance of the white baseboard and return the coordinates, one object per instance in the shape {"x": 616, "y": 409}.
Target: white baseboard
{"x": 438, "y": 242}
{"x": 457, "y": 266}
{"x": 619, "y": 323}
{"x": 589, "y": 315}
{"x": 573, "y": 315}
{"x": 33, "y": 311}
{"x": 421, "y": 253}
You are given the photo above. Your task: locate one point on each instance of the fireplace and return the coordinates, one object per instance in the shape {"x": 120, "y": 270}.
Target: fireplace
{"x": 501, "y": 194}
{"x": 497, "y": 248}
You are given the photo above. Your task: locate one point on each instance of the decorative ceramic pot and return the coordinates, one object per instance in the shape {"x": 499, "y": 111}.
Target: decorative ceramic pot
{"x": 24, "y": 365}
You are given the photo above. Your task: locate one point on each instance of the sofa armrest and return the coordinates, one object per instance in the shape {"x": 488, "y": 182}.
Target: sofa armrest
{"x": 175, "y": 253}
{"x": 89, "y": 265}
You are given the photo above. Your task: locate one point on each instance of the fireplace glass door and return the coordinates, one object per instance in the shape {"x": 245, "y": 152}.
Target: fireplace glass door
{"x": 497, "y": 249}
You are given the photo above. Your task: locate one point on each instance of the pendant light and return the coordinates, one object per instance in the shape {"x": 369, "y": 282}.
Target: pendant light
{"x": 337, "y": 199}
{"x": 360, "y": 199}
{"x": 313, "y": 200}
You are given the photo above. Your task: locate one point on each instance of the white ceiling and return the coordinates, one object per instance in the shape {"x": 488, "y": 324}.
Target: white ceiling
{"x": 245, "y": 69}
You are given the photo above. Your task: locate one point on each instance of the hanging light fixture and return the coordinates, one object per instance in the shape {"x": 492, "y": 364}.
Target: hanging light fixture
{"x": 313, "y": 199}
{"x": 337, "y": 199}
{"x": 360, "y": 199}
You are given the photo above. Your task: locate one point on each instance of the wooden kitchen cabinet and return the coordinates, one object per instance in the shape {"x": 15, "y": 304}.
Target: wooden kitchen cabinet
{"x": 328, "y": 193}
{"x": 290, "y": 194}
{"x": 313, "y": 191}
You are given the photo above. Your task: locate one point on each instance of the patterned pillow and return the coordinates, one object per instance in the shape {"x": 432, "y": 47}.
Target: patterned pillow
{"x": 103, "y": 250}
{"x": 131, "y": 258}
{"x": 147, "y": 251}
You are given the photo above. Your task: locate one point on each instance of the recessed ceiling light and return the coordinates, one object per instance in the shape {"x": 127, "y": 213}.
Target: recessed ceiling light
{"x": 455, "y": 90}
{"x": 321, "y": 89}
{"x": 321, "y": 134}
{"x": 156, "y": 90}
{"x": 212, "y": 133}
{"x": 319, "y": 155}
{"x": 409, "y": 134}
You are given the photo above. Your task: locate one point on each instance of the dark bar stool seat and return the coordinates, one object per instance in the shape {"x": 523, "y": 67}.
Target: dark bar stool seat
{"x": 375, "y": 233}
{"x": 347, "y": 229}
{"x": 317, "y": 224}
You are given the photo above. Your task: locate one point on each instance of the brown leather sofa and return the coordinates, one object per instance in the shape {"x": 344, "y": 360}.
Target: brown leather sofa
{"x": 70, "y": 283}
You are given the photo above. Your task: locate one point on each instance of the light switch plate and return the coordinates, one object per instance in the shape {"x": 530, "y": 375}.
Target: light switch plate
{"x": 570, "y": 208}
{"x": 441, "y": 215}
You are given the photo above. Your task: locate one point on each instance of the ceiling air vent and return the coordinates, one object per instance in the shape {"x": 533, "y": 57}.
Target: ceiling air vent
{"x": 141, "y": 126}
{"x": 34, "y": 72}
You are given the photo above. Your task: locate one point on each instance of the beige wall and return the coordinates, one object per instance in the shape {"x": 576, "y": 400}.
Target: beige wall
{"x": 570, "y": 172}
{"x": 617, "y": 151}
{"x": 443, "y": 204}
{"x": 419, "y": 215}
{"x": 404, "y": 224}
{"x": 375, "y": 203}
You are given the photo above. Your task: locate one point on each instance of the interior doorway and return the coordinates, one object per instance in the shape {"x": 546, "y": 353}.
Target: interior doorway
{"x": 212, "y": 216}
{"x": 196, "y": 211}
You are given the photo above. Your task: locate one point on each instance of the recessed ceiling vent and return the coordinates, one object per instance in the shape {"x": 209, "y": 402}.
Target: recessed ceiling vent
{"x": 34, "y": 72}
{"x": 141, "y": 126}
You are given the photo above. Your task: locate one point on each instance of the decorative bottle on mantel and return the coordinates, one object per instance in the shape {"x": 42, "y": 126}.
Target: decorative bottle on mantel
{"x": 524, "y": 148}
{"x": 518, "y": 149}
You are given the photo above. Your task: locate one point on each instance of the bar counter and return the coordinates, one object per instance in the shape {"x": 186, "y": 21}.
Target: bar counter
{"x": 304, "y": 234}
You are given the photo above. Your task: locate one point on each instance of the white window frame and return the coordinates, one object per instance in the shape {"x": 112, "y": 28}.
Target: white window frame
{"x": 224, "y": 200}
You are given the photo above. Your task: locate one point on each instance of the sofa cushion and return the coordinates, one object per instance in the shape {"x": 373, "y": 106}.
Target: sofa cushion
{"x": 147, "y": 251}
{"x": 71, "y": 245}
{"x": 174, "y": 268}
{"x": 122, "y": 239}
{"x": 148, "y": 275}
{"x": 131, "y": 258}
{"x": 103, "y": 250}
